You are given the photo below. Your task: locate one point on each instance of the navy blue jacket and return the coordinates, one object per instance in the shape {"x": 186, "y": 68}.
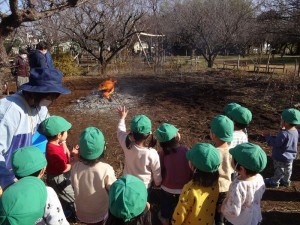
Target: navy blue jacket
{"x": 38, "y": 59}
{"x": 284, "y": 145}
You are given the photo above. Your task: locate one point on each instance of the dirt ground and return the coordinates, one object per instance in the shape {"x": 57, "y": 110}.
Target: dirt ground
{"x": 190, "y": 101}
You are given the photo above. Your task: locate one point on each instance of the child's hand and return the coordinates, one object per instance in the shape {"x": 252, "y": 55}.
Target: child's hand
{"x": 74, "y": 154}
{"x": 122, "y": 112}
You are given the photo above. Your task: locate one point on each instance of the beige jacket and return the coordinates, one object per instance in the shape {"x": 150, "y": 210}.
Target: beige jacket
{"x": 225, "y": 169}
{"x": 91, "y": 185}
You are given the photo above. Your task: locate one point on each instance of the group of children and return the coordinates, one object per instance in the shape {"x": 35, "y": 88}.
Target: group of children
{"x": 207, "y": 184}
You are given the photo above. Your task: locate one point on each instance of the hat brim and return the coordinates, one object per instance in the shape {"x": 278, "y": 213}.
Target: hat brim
{"x": 45, "y": 89}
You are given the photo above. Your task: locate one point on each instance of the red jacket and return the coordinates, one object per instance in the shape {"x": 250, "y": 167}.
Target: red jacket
{"x": 21, "y": 67}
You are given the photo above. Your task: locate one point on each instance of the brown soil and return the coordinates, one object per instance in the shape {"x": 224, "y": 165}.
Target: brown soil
{"x": 190, "y": 101}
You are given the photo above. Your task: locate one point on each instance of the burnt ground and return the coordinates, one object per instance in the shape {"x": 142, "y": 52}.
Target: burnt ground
{"x": 190, "y": 101}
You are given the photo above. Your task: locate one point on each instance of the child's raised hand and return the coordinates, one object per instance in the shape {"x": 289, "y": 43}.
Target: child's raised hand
{"x": 122, "y": 112}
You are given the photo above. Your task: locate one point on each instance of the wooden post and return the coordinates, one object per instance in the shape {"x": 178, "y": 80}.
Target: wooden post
{"x": 238, "y": 64}
{"x": 268, "y": 63}
{"x": 296, "y": 63}
{"x": 299, "y": 68}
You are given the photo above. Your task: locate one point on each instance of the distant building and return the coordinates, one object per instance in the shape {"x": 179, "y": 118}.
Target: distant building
{"x": 137, "y": 47}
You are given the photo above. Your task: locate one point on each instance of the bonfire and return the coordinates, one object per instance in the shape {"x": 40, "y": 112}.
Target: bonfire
{"x": 107, "y": 87}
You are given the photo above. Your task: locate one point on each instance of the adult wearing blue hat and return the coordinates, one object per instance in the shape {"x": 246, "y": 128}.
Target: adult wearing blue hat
{"x": 22, "y": 112}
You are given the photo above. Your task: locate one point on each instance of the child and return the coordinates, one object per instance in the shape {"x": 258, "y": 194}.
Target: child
{"x": 141, "y": 160}
{"x": 221, "y": 133}
{"x": 91, "y": 179}
{"x": 27, "y": 163}
{"x": 23, "y": 202}
{"x": 230, "y": 107}
{"x": 175, "y": 169}
{"x": 241, "y": 117}
{"x": 284, "y": 149}
{"x": 242, "y": 203}
{"x": 197, "y": 202}
{"x": 55, "y": 128}
{"x": 128, "y": 202}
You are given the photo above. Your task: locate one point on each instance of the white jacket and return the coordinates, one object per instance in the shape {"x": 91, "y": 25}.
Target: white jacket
{"x": 141, "y": 162}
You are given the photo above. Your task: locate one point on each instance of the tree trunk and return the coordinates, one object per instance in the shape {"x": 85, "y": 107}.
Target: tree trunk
{"x": 210, "y": 62}
{"x": 103, "y": 69}
{"x": 4, "y": 63}
{"x": 3, "y": 54}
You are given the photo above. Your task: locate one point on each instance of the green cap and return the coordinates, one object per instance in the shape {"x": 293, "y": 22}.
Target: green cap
{"x": 165, "y": 132}
{"x": 127, "y": 197}
{"x": 140, "y": 124}
{"x": 204, "y": 157}
{"x": 230, "y": 107}
{"x": 291, "y": 116}
{"x": 28, "y": 160}
{"x": 91, "y": 143}
{"x": 23, "y": 202}
{"x": 53, "y": 126}
{"x": 222, "y": 127}
{"x": 240, "y": 115}
{"x": 250, "y": 156}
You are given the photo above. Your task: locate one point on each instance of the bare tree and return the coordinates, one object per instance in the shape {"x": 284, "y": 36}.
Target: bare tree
{"x": 210, "y": 26}
{"x": 102, "y": 28}
{"x": 280, "y": 24}
{"x": 13, "y": 13}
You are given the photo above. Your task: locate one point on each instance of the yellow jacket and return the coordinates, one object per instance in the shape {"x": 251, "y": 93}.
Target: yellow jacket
{"x": 196, "y": 205}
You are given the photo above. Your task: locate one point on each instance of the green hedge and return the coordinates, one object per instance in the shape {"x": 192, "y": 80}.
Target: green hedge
{"x": 65, "y": 63}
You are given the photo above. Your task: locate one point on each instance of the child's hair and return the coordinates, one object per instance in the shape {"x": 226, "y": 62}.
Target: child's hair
{"x": 50, "y": 138}
{"x": 169, "y": 146}
{"x": 91, "y": 162}
{"x": 205, "y": 179}
{"x": 35, "y": 174}
{"x": 42, "y": 45}
{"x": 248, "y": 172}
{"x": 240, "y": 125}
{"x": 290, "y": 124}
{"x": 140, "y": 137}
{"x": 114, "y": 220}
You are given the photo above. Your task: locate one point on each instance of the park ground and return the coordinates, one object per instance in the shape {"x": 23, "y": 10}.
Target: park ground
{"x": 190, "y": 101}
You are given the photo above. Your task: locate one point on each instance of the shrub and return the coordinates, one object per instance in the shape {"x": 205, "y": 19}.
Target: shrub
{"x": 66, "y": 64}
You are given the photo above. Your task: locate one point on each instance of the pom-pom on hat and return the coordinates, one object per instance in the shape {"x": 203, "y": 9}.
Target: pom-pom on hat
{"x": 240, "y": 115}
{"x": 165, "y": 132}
{"x": 250, "y": 156}
{"x": 23, "y": 202}
{"x": 28, "y": 160}
{"x": 140, "y": 124}
{"x": 91, "y": 143}
{"x": 222, "y": 127}
{"x": 204, "y": 157}
{"x": 230, "y": 107}
{"x": 127, "y": 197}
{"x": 53, "y": 126}
{"x": 291, "y": 116}
{"x": 45, "y": 80}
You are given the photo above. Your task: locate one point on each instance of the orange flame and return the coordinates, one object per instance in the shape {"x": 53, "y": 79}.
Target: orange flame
{"x": 107, "y": 87}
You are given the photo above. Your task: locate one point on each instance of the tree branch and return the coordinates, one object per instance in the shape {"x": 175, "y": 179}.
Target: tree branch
{"x": 13, "y": 5}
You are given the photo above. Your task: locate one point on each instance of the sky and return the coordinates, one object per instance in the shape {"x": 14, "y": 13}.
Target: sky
{"x": 4, "y": 6}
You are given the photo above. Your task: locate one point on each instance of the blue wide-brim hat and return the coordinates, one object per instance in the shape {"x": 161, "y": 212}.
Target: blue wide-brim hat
{"x": 45, "y": 80}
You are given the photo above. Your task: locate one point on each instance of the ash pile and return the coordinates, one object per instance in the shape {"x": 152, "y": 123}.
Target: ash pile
{"x": 95, "y": 102}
